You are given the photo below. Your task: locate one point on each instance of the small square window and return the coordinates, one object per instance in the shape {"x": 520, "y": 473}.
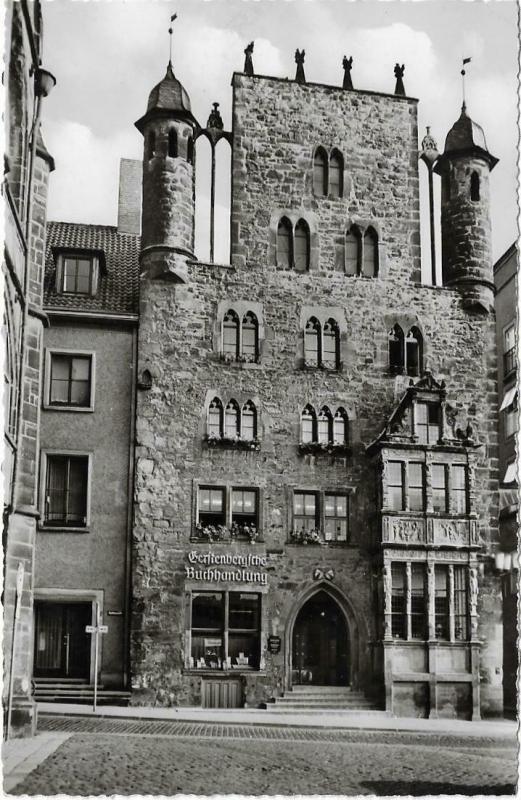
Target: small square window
{"x": 66, "y": 486}
{"x": 78, "y": 275}
{"x": 70, "y": 380}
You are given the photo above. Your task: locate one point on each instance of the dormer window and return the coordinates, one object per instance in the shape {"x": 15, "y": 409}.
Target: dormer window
{"x": 427, "y": 422}
{"x": 78, "y": 272}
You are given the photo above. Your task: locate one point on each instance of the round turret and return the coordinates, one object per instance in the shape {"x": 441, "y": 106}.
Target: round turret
{"x": 465, "y": 166}
{"x": 167, "y": 238}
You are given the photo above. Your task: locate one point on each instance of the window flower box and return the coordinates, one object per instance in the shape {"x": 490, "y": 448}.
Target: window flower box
{"x": 242, "y": 358}
{"x": 313, "y": 536}
{"x": 233, "y": 443}
{"x": 239, "y": 532}
{"x": 324, "y": 448}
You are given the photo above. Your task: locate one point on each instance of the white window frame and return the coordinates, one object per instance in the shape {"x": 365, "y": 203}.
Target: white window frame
{"x": 78, "y": 254}
{"x": 64, "y": 351}
{"x": 43, "y": 483}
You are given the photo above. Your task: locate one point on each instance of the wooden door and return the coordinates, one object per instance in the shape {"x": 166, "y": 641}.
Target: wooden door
{"x": 62, "y": 648}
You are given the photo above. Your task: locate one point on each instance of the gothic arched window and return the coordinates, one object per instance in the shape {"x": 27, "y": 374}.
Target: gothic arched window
{"x": 307, "y": 425}
{"x": 413, "y": 352}
{"x": 250, "y": 337}
{"x": 231, "y": 420}
{"x": 215, "y": 418}
{"x": 336, "y": 174}
{"x": 331, "y": 345}
{"x": 301, "y": 246}
{"x": 151, "y": 145}
{"x": 474, "y": 186}
{"x": 340, "y": 427}
{"x": 231, "y": 334}
{"x": 396, "y": 350}
{"x": 324, "y": 426}
{"x": 172, "y": 143}
{"x": 370, "y": 254}
{"x": 353, "y": 251}
{"x": 320, "y": 172}
{"x": 284, "y": 244}
{"x": 249, "y": 421}
{"x": 312, "y": 343}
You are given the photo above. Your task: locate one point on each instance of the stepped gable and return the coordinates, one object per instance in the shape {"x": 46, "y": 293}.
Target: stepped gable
{"x": 118, "y": 289}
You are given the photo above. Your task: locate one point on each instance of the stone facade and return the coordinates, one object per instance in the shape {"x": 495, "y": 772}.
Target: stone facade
{"x": 277, "y": 126}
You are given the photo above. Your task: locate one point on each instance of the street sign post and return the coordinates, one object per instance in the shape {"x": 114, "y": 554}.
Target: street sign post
{"x": 96, "y": 630}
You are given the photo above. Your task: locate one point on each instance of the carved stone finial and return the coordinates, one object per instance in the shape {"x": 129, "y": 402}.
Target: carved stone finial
{"x": 347, "y": 64}
{"x": 398, "y": 72}
{"x": 299, "y": 60}
{"x": 248, "y": 61}
{"x": 429, "y": 152}
{"x": 215, "y": 119}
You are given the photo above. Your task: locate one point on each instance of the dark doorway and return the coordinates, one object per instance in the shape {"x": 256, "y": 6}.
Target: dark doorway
{"x": 320, "y": 649}
{"x": 61, "y": 645}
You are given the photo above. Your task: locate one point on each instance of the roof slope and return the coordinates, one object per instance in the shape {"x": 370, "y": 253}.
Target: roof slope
{"x": 118, "y": 288}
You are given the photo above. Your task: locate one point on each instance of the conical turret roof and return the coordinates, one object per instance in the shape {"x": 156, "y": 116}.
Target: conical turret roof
{"x": 467, "y": 137}
{"x": 168, "y": 98}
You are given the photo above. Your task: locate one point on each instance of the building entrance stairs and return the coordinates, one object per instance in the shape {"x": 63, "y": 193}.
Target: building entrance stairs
{"x": 76, "y": 690}
{"x": 302, "y": 699}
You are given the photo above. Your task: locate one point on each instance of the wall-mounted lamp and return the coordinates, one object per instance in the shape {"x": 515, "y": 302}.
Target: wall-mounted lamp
{"x": 44, "y": 82}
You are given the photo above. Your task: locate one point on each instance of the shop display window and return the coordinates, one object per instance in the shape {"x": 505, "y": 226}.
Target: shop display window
{"x": 225, "y": 630}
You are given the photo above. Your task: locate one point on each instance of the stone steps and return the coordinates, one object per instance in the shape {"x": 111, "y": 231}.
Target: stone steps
{"x": 301, "y": 699}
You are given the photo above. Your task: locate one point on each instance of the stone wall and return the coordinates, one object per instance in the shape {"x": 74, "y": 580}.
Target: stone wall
{"x": 277, "y": 124}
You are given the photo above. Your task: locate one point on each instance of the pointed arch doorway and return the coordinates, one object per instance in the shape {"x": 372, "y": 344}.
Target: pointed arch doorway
{"x": 320, "y": 652}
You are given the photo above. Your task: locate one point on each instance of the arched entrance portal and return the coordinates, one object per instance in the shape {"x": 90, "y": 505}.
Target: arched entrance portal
{"x": 320, "y": 643}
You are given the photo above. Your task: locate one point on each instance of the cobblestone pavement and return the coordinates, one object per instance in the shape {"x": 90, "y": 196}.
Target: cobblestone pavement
{"x": 135, "y": 757}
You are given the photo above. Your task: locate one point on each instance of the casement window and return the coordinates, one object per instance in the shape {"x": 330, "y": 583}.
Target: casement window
{"x": 77, "y": 275}
{"x": 398, "y": 601}
{"x": 418, "y": 602}
{"x": 66, "y": 491}
{"x": 335, "y": 517}
{"x": 460, "y": 603}
{"x": 323, "y": 428}
{"x": 509, "y": 349}
{"x": 219, "y": 505}
{"x": 322, "y": 344}
{"x": 509, "y": 407}
{"x": 340, "y": 427}
{"x": 458, "y": 479}
{"x": 328, "y": 173}
{"x": 320, "y": 172}
{"x": 353, "y": 251}
{"x": 240, "y": 338}
{"x": 293, "y": 245}
{"x": 10, "y": 384}
{"x": 439, "y": 488}
{"x": 320, "y": 517}
{"x": 427, "y": 418}
{"x": 232, "y": 422}
{"x": 405, "y": 352}
{"x": 441, "y": 601}
{"x": 396, "y": 485}
{"x": 336, "y": 174}
{"x": 70, "y": 380}
{"x": 324, "y": 425}
{"x": 308, "y": 423}
{"x": 225, "y": 630}
{"x": 415, "y": 488}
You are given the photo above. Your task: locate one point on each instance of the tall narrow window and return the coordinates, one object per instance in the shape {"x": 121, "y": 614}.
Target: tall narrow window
{"x": 415, "y": 489}
{"x": 307, "y": 425}
{"x": 418, "y": 605}
{"x": 370, "y": 255}
{"x": 509, "y": 350}
{"x": 340, "y": 427}
{"x": 398, "y": 608}
{"x": 413, "y": 352}
{"x": 211, "y": 508}
{"x": 335, "y": 518}
{"x": 301, "y": 246}
{"x": 312, "y": 343}
{"x": 441, "y": 602}
{"x": 305, "y": 516}
{"x": 395, "y": 485}
{"x": 151, "y": 145}
{"x": 249, "y": 421}
{"x": 353, "y": 251}
{"x": 336, "y": 174}
{"x": 439, "y": 488}
{"x": 190, "y": 150}
{"x": 324, "y": 426}
{"x": 427, "y": 422}
{"x": 460, "y": 603}
{"x": 231, "y": 334}
{"x": 474, "y": 186}
{"x": 66, "y": 491}
{"x": 459, "y": 488}
{"x": 320, "y": 172}
{"x": 231, "y": 420}
{"x": 244, "y": 507}
{"x": 284, "y": 244}
{"x": 172, "y": 143}
{"x": 215, "y": 418}
{"x": 250, "y": 337}
{"x": 331, "y": 345}
{"x": 396, "y": 350}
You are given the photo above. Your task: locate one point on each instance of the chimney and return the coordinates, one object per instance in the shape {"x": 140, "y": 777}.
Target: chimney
{"x": 129, "y": 203}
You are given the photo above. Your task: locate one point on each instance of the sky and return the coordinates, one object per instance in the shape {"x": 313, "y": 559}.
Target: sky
{"x": 107, "y": 56}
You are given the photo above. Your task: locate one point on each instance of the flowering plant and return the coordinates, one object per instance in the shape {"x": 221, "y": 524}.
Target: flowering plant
{"x": 236, "y": 442}
{"x": 303, "y": 536}
{"x": 243, "y": 529}
{"x": 329, "y": 448}
{"x": 213, "y": 533}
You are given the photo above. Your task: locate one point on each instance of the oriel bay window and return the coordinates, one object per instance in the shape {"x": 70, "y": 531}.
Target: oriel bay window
{"x": 225, "y": 630}
{"x": 66, "y": 491}
{"x": 406, "y": 487}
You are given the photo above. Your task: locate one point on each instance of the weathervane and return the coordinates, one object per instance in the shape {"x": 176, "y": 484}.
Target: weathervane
{"x": 170, "y": 31}
{"x": 465, "y": 61}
